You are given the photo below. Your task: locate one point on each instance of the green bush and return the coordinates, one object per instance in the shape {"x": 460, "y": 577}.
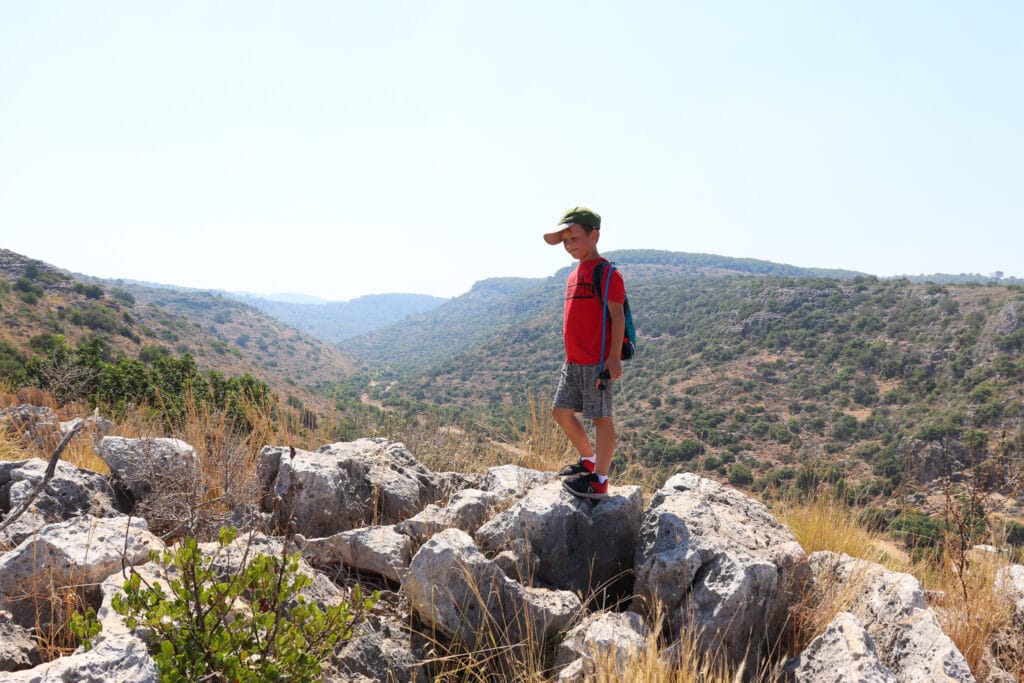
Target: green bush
{"x": 198, "y": 632}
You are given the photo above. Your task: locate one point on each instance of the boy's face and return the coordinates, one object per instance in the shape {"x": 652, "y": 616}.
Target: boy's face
{"x": 578, "y": 243}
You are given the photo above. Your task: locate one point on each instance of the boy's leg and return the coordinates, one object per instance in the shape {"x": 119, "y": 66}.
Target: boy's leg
{"x": 573, "y": 428}
{"x": 605, "y": 429}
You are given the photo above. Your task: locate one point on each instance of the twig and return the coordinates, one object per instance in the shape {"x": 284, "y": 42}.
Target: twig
{"x": 47, "y": 476}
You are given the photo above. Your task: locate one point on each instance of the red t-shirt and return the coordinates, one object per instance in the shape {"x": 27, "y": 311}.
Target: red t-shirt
{"x": 581, "y": 325}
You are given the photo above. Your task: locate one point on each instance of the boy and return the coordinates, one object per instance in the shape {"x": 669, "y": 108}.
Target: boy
{"x": 582, "y": 387}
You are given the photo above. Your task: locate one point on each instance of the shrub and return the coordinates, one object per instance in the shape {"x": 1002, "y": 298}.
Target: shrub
{"x": 200, "y": 634}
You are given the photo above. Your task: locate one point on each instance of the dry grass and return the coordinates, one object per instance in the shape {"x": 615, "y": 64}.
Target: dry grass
{"x": 970, "y": 607}
{"x": 826, "y": 524}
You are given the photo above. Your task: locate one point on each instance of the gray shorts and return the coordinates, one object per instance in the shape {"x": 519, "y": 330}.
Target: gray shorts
{"x": 577, "y": 389}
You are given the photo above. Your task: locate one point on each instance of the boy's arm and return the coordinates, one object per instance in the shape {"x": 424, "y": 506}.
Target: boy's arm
{"x": 618, "y": 330}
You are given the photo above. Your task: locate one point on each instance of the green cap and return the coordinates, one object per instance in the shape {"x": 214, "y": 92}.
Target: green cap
{"x": 578, "y": 214}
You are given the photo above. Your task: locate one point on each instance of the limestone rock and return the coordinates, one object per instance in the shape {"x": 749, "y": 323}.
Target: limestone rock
{"x": 347, "y": 485}
{"x": 79, "y": 552}
{"x": 844, "y": 652}
{"x": 145, "y": 466}
{"x": 716, "y": 561}
{"x": 1010, "y": 581}
{"x": 453, "y": 587}
{"x": 604, "y": 641}
{"x": 115, "y": 660}
{"x": 576, "y": 544}
{"x": 38, "y": 424}
{"x": 466, "y": 510}
{"x": 18, "y": 648}
{"x": 69, "y": 493}
{"x": 892, "y": 609}
{"x": 378, "y": 550}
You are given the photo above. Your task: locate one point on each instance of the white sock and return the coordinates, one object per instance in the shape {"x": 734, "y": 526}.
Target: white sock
{"x": 601, "y": 479}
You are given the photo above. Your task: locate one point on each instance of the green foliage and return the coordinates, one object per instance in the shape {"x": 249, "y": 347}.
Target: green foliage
{"x": 740, "y": 475}
{"x": 918, "y": 532}
{"x": 90, "y": 291}
{"x": 12, "y": 363}
{"x": 199, "y": 632}
{"x": 157, "y": 379}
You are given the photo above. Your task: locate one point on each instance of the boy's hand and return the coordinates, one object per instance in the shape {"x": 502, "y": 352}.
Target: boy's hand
{"x": 614, "y": 366}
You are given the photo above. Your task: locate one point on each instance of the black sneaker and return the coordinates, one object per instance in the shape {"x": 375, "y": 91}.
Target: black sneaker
{"x": 586, "y": 486}
{"x": 576, "y": 469}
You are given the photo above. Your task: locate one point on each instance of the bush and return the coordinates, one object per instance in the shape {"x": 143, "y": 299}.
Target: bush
{"x": 198, "y": 632}
{"x": 740, "y": 475}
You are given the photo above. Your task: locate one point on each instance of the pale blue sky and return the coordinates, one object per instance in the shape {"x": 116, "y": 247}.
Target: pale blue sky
{"x": 344, "y": 148}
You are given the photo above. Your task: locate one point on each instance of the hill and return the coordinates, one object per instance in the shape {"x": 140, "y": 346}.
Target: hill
{"x": 760, "y": 379}
{"x": 41, "y": 306}
{"x": 337, "y": 321}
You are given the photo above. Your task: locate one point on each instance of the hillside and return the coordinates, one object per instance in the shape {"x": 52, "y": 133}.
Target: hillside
{"x": 40, "y": 303}
{"x": 762, "y": 380}
{"x": 501, "y": 306}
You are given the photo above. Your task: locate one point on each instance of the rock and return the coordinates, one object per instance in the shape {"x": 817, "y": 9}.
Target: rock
{"x": 576, "y": 544}
{"x": 380, "y": 649}
{"x": 711, "y": 559}
{"x": 71, "y": 492}
{"x": 115, "y": 660}
{"x": 466, "y": 510}
{"x": 892, "y": 609}
{"x": 37, "y": 424}
{"x": 606, "y": 641}
{"x": 378, "y": 550}
{"x": 454, "y": 588}
{"x": 348, "y": 485}
{"x": 844, "y": 652}
{"x": 18, "y": 648}
{"x": 80, "y": 552}
{"x": 513, "y": 481}
{"x": 1010, "y": 582}
{"x": 145, "y": 466}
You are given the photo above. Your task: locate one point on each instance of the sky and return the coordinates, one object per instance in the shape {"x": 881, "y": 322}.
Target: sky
{"x": 338, "y": 149}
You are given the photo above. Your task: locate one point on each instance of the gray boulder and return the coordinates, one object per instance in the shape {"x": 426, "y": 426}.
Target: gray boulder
{"x": 80, "y": 552}
{"x": 575, "y": 544}
{"x": 455, "y": 589}
{"x": 892, "y": 609}
{"x": 18, "y": 648}
{"x": 1010, "y": 582}
{"x": 345, "y": 486}
{"x": 466, "y": 510}
{"x": 377, "y": 550}
{"x": 713, "y": 560}
{"x": 513, "y": 481}
{"x": 115, "y": 660}
{"x": 844, "y": 652}
{"x": 605, "y": 641}
{"x": 71, "y": 492}
{"x": 149, "y": 466}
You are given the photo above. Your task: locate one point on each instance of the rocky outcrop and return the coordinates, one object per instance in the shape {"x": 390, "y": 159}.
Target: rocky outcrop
{"x": 892, "y": 610}
{"x": 507, "y": 553}
{"x": 348, "y": 485}
{"x": 715, "y": 562}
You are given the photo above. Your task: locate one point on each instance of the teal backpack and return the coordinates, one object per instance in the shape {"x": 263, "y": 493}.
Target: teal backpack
{"x": 628, "y": 339}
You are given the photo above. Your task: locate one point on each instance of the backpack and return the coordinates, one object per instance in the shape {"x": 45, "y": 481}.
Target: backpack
{"x": 629, "y": 338}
